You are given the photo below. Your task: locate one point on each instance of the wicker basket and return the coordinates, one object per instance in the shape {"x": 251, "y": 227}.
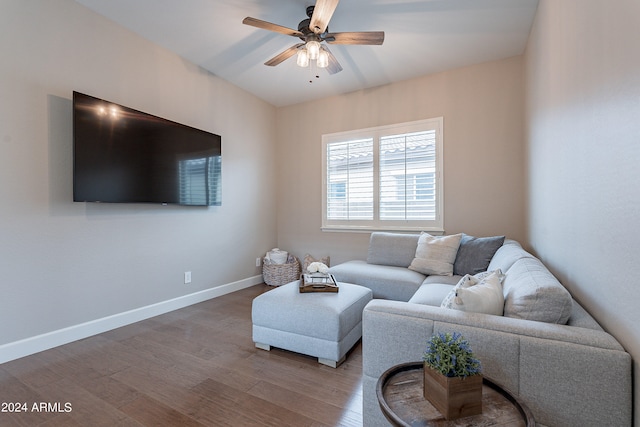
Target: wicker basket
{"x": 280, "y": 274}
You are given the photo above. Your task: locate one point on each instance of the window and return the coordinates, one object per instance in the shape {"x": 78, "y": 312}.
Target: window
{"x": 384, "y": 178}
{"x": 350, "y": 177}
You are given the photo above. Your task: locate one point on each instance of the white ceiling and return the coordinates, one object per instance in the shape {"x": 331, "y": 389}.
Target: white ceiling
{"x": 421, "y": 37}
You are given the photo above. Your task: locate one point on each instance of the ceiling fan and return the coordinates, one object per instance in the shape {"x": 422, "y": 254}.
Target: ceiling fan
{"x": 313, "y": 31}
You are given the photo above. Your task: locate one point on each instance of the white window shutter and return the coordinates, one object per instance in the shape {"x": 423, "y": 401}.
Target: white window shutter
{"x": 407, "y": 176}
{"x": 350, "y": 180}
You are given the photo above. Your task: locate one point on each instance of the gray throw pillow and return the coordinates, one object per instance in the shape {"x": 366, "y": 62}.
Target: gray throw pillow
{"x": 475, "y": 253}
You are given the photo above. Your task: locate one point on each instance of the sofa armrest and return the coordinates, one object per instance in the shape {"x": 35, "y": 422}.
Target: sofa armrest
{"x": 566, "y": 375}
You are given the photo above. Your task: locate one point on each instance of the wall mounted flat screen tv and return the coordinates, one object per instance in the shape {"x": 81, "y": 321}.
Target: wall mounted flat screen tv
{"x": 121, "y": 155}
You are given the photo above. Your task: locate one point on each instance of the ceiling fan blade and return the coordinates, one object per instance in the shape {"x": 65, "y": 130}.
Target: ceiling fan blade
{"x": 271, "y": 27}
{"x": 334, "y": 66}
{"x": 322, "y": 13}
{"x": 363, "y": 37}
{"x": 283, "y": 56}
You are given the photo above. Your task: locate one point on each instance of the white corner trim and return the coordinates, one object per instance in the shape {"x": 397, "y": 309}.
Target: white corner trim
{"x": 25, "y": 347}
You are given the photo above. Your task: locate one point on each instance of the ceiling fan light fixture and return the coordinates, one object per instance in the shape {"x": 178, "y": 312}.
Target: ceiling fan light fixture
{"x": 313, "y": 47}
{"x": 303, "y": 58}
{"x": 323, "y": 59}
{"x": 313, "y": 32}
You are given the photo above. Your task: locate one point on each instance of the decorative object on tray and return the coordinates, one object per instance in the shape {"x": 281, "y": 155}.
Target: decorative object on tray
{"x": 317, "y": 267}
{"x": 452, "y": 376}
{"x": 308, "y": 259}
{"x": 318, "y": 279}
{"x": 277, "y": 274}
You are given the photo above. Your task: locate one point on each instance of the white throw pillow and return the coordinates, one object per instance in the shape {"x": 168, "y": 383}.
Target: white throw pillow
{"x": 436, "y": 255}
{"x": 466, "y": 281}
{"x": 482, "y": 275}
{"x": 484, "y": 297}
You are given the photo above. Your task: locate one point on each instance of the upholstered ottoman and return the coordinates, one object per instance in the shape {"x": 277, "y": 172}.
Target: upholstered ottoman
{"x": 321, "y": 324}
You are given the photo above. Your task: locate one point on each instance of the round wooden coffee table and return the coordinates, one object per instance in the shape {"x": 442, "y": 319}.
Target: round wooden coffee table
{"x": 400, "y": 395}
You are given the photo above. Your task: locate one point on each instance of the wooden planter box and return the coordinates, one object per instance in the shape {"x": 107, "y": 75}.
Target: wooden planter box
{"x": 454, "y": 397}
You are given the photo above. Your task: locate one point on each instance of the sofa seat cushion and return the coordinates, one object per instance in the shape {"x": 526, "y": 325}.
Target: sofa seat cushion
{"x": 580, "y": 318}
{"x": 532, "y": 293}
{"x": 447, "y": 280}
{"x": 434, "y": 289}
{"x": 431, "y": 293}
{"x": 386, "y": 282}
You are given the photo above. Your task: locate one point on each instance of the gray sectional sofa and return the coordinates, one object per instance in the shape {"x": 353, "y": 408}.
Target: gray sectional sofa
{"x": 545, "y": 348}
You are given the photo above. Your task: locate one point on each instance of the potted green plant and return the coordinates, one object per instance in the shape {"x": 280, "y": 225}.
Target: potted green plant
{"x": 452, "y": 376}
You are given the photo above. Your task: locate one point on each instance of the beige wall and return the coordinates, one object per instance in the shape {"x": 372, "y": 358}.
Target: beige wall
{"x": 482, "y": 108}
{"x": 583, "y": 120}
{"x": 64, "y": 264}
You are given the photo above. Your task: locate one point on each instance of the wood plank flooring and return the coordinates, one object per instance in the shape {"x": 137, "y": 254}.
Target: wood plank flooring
{"x": 196, "y": 366}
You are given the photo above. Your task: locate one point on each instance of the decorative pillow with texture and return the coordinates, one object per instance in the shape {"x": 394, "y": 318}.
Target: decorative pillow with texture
{"x": 475, "y": 254}
{"x": 308, "y": 259}
{"x": 483, "y": 275}
{"x": 468, "y": 281}
{"x": 465, "y": 282}
{"x": 436, "y": 255}
{"x": 484, "y": 297}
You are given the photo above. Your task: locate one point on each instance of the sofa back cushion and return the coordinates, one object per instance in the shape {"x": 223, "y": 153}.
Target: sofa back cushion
{"x": 393, "y": 249}
{"x": 507, "y": 255}
{"x": 532, "y": 293}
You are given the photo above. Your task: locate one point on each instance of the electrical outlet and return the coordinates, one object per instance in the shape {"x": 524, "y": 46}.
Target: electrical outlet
{"x": 187, "y": 277}
{"x": 258, "y": 262}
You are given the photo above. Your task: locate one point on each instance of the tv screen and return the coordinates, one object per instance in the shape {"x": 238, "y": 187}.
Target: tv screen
{"x": 121, "y": 155}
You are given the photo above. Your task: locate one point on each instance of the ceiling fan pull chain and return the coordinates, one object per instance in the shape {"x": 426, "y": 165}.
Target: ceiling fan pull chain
{"x": 313, "y": 72}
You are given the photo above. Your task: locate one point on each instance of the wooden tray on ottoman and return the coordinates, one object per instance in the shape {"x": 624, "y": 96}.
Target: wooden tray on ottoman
{"x": 328, "y": 285}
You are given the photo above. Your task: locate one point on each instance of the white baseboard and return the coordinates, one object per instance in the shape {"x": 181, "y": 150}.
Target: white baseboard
{"x": 17, "y": 349}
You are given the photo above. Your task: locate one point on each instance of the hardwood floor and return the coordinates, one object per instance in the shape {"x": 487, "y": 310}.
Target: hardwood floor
{"x": 192, "y": 367}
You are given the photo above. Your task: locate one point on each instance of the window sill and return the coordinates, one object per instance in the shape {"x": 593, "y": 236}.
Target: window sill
{"x": 352, "y": 229}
